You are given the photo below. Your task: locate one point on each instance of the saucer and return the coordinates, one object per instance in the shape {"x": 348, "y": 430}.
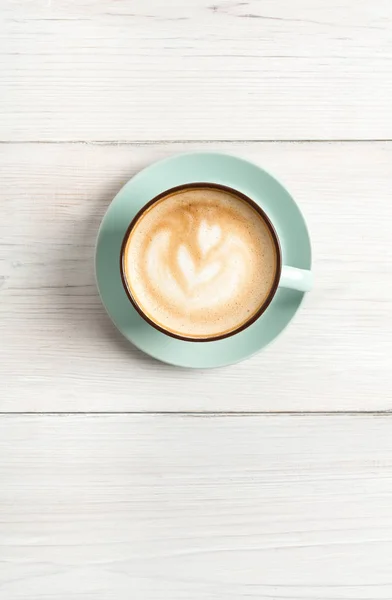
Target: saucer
{"x": 208, "y": 168}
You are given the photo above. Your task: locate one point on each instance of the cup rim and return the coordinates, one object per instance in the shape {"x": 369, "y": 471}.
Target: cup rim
{"x": 243, "y": 197}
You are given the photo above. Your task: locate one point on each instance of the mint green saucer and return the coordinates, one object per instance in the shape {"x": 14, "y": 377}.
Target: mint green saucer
{"x": 209, "y": 168}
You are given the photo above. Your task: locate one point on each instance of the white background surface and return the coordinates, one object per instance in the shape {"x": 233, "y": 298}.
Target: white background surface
{"x": 223, "y": 497}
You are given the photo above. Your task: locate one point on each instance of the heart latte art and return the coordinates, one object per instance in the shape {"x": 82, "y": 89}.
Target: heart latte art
{"x": 200, "y": 262}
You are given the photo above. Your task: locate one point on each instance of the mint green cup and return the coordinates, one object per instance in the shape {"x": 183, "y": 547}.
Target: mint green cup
{"x": 285, "y": 276}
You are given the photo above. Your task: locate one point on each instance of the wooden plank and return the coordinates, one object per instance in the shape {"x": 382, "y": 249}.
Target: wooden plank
{"x": 101, "y": 70}
{"x": 190, "y": 508}
{"x": 59, "y": 351}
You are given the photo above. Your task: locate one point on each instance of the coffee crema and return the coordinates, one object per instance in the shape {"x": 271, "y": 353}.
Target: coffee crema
{"x": 200, "y": 262}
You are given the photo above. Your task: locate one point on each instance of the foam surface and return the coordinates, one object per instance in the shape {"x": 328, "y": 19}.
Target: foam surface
{"x": 200, "y": 262}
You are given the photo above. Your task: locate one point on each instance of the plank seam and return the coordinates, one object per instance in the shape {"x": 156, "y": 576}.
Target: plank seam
{"x": 207, "y": 142}
{"x": 359, "y": 413}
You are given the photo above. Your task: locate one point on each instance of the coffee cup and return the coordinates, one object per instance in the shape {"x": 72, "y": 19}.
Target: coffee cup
{"x": 202, "y": 261}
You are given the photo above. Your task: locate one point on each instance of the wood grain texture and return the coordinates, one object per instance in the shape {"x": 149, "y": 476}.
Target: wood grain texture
{"x": 194, "y": 508}
{"x": 205, "y": 69}
{"x": 59, "y": 351}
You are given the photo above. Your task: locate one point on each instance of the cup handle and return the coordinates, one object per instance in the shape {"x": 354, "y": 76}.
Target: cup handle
{"x": 296, "y": 279}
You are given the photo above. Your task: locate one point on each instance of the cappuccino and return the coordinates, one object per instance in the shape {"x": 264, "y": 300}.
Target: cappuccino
{"x": 200, "y": 262}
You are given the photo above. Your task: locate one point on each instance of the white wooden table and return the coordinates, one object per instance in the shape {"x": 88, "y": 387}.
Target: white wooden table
{"x": 124, "y": 478}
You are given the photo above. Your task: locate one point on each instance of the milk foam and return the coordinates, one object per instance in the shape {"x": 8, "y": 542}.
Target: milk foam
{"x": 200, "y": 262}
